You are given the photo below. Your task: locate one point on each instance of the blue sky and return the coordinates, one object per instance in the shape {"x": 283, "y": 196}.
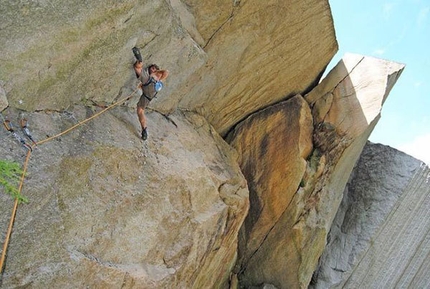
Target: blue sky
{"x": 397, "y": 30}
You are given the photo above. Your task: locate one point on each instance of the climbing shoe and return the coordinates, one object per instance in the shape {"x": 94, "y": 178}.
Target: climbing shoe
{"x": 144, "y": 134}
{"x": 137, "y": 54}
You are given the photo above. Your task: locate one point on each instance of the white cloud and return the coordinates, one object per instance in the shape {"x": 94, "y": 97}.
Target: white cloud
{"x": 419, "y": 148}
{"x": 379, "y": 51}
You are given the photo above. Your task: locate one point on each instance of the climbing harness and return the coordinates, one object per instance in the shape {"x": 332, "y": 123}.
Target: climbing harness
{"x": 8, "y": 125}
{"x": 24, "y": 127}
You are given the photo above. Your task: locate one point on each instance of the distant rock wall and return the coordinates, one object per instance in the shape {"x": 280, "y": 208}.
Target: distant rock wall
{"x": 380, "y": 236}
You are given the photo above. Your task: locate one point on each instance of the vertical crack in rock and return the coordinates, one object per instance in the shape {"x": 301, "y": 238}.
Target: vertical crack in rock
{"x": 216, "y": 32}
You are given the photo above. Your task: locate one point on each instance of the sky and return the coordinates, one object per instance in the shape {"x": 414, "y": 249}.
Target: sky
{"x": 396, "y": 30}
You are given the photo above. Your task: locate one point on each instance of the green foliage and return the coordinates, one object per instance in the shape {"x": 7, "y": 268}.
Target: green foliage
{"x": 10, "y": 174}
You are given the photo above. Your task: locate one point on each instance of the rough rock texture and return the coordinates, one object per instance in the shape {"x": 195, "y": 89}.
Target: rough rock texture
{"x": 227, "y": 59}
{"x": 3, "y": 100}
{"x": 257, "y": 57}
{"x": 365, "y": 84}
{"x": 292, "y": 211}
{"x": 58, "y": 54}
{"x": 380, "y": 236}
{"x": 244, "y": 56}
{"x": 284, "y": 130}
{"x": 107, "y": 212}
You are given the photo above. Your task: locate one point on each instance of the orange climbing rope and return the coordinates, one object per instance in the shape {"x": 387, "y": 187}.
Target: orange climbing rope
{"x": 27, "y": 159}
{"x": 88, "y": 119}
{"x": 12, "y": 218}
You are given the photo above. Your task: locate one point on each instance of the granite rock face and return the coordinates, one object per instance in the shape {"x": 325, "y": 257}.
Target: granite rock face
{"x": 285, "y": 131}
{"x": 292, "y": 206}
{"x": 380, "y": 236}
{"x": 107, "y": 211}
{"x": 245, "y": 56}
{"x": 3, "y": 100}
{"x": 257, "y": 58}
{"x": 227, "y": 59}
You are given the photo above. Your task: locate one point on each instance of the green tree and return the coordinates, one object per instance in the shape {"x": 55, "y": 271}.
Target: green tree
{"x": 10, "y": 173}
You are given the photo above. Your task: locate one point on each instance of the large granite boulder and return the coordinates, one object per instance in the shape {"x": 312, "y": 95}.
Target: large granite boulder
{"x": 107, "y": 211}
{"x": 380, "y": 235}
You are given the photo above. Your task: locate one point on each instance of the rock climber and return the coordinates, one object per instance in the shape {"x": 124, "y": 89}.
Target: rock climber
{"x": 151, "y": 78}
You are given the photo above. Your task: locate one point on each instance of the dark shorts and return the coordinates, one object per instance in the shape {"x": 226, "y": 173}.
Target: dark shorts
{"x": 143, "y": 102}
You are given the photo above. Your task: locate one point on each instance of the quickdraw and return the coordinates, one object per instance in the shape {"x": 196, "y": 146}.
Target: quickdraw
{"x": 24, "y": 127}
{"x": 8, "y": 125}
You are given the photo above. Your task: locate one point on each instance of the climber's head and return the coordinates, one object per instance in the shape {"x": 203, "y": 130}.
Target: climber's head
{"x": 153, "y": 68}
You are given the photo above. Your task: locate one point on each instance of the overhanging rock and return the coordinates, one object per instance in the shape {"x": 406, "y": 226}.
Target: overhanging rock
{"x": 264, "y": 52}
